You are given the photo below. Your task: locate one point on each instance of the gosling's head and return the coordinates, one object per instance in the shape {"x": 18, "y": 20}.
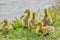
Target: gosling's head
{"x": 40, "y": 24}
{"x": 27, "y": 12}
{"x": 5, "y": 21}
{"x": 45, "y": 12}
{"x": 34, "y": 14}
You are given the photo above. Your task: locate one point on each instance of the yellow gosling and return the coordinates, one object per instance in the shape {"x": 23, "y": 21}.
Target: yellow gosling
{"x": 46, "y": 19}
{"x": 26, "y": 18}
{"x": 32, "y": 23}
{"x": 5, "y": 26}
{"x": 39, "y": 28}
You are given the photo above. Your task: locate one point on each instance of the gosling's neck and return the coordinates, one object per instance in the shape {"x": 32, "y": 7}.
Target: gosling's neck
{"x": 40, "y": 27}
{"x": 45, "y": 12}
{"x": 33, "y": 17}
{"x": 6, "y": 22}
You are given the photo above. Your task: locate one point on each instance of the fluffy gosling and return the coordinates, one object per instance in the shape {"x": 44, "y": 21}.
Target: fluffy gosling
{"x": 32, "y": 23}
{"x": 44, "y": 30}
{"x": 39, "y": 28}
{"x": 26, "y": 18}
{"x": 5, "y": 26}
{"x": 46, "y": 19}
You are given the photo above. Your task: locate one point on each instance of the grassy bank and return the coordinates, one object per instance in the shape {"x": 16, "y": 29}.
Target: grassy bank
{"x": 19, "y": 33}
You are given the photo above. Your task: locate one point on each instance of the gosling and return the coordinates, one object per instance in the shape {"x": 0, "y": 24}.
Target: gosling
{"x": 25, "y": 18}
{"x": 5, "y": 26}
{"x": 46, "y": 19}
{"x": 39, "y": 28}
{"x": 44, "y": 30}
{"x": 32, "y": 23}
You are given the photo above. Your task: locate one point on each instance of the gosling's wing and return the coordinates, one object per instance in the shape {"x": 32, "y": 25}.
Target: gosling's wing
{"x": 1, "y": 26}
{"x": 49, "y": 20}
{"x": 52, "y": 29}
{"x": 10, "y": 26}
{"x": 29, "y": 20}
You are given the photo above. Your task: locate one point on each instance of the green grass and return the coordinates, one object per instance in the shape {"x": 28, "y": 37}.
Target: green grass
{"x": 19, "y": 33}
{"x": 55, "y": 16}
{"x": 26, "y": 34}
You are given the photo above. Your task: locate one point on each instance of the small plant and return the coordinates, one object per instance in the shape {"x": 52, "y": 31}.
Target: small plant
{"x": 55, "y": 16}
{"x": 17, "y": 23}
